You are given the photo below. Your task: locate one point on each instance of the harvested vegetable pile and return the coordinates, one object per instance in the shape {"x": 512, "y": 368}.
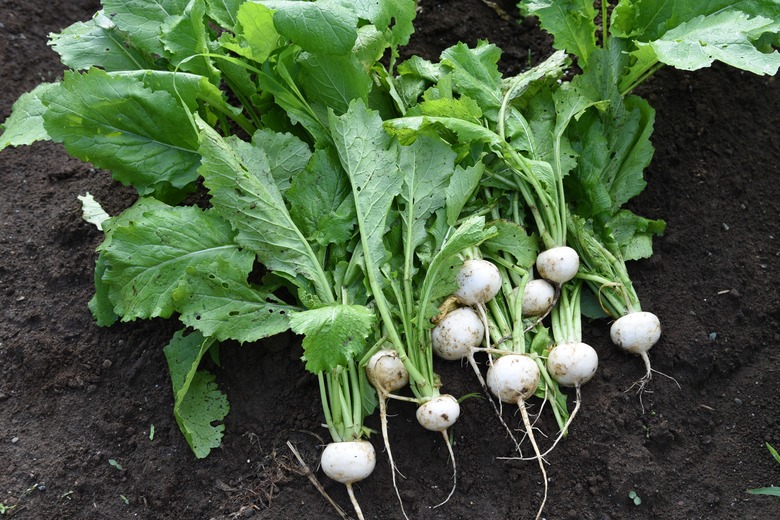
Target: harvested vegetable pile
{"x": 345, "y": 201}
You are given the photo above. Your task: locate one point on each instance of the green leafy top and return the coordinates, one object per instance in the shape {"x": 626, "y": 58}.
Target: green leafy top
{"x": 685, "y": 34}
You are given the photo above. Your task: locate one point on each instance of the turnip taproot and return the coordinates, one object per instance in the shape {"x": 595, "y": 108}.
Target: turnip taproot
{"x": 513, "y": 378}
{"x": 558, "y": 264}
{"x": 636, "y": 333}
{"x": 349, "y": 462}
{"x": 457, "y": 334}
{"x": 573, "y": 363}
{"x": 478, "y": 282}
{"x": 538, "y": 297}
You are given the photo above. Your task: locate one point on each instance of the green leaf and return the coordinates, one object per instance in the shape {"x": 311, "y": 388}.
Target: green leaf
{"x": 649, "y": 20}
{"x": 463, "y": 184}
{"x": 221, "y": 304}
{"x": 324, "y": 26}
{"x": 427, "y": 166}
{"x": 691, "y": 35}
{"x": 409, "y": 128}
{"x": 334, "y": 81}
{"x": 191, "y": 89}
{"x": 417, "y": 67}
{"x": 613, "y": 144}
{"x": 186, "y": 41}
{"x": 144, "y": 137}
{"x": 476, "y": 75}
{"x": 513, "y": 239}
{"x": 333, "y": 334}
{"x": 198, "y": 403}
{"x": 725, "y": 36}
{"x": 25, "y": 124}
{"x": 244, "y": 192}
{"x": 277, "y": 80}
{"x": 100, "y": 304}
{"x": 225, "y": 12}
{"x": 320, "y": 200}
{"x": 774, "y": 452}
{"x": 392, "y": 17}
{"x": 372, "y": 166}
{"x": 97, "y": 43}
{"x": 571, "y": 22}
{"x": 634, "y": 234}
{"x": 255, "y": 36}
{"x": 148, "y": 258}
{"x": 287, "y": 155}
{"x": 142, "y": 20}
{"x": 771, "y": 491}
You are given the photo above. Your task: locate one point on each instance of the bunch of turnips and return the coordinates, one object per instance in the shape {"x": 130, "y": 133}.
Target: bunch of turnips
{"x": 394, "y": 215}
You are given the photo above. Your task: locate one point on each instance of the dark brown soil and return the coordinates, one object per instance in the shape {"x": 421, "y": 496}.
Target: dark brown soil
{"x": 74, "y": 397}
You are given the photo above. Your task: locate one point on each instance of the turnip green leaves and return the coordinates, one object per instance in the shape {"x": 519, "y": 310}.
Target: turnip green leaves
{"x": 686, "y": 34}
{"x": 198, "y": 403}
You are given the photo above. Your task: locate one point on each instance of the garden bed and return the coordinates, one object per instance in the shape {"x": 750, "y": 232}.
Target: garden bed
{"x": 74, "y": 396}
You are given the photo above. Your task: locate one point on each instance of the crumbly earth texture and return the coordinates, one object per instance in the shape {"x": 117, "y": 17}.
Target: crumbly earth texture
{"x": 78, "y": 402}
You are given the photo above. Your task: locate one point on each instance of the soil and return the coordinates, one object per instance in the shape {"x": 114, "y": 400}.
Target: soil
{"x": 77, "y": 402}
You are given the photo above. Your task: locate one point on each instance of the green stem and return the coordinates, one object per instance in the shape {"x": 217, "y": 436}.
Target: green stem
{"x": 324, "y": 399}
{"x": 546, "y": 218}
{"x": 552, "y": 388}
{"x": 650, "y": 70}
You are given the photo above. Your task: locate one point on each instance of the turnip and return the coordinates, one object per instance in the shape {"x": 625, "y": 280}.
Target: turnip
{"x": 349, "y": 458}
{"x": 572, "y": 364}
{"x": 457, "y": 334}
{"x": 604, "y": 270}
{"x": 387, "y": 373}
{"x": 538, "y": 297}
{"x": 558, "y": 264}
{"x": 385, "y": 370}
{"x": 478, "y": 282}
{"x": 636, "y": 333}
{"x": 513, "y": 378}
{"x": 349, "y": 462}
{"x": 439, "y": 413}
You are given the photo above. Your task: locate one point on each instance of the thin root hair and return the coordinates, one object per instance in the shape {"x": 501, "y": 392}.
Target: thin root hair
{"x": 447, "y": 441}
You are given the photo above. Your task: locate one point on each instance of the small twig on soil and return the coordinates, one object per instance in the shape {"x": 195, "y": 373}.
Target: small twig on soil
{"x": 313, "y": 479}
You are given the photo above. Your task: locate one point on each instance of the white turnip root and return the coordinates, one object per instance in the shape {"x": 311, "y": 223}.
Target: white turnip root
{"x": 478, "y": 282}
{"x": 538, "y": 297}
{"x": 438, "y": 413}
{"x": 636, "y": 333}
{"x": 349, "y": 462}
{"x": 457, "y": 334}
{"x": 572, "y": 364}
{"x": 513, "y": 378}
{"x": 558, "y": 264}
{"x": 386, "y": 371}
